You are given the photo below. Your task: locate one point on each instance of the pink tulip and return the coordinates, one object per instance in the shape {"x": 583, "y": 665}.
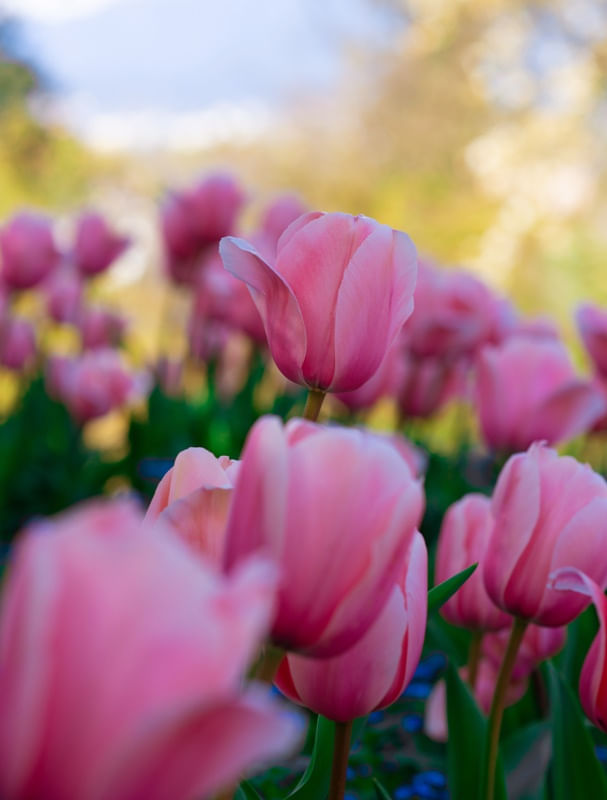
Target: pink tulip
{"x": 63, "y": 292}
{"x": 121, "y": 663}
{"x": 96, "y": 246}
{"x": 279, "y": 214}
{"x": 455, "y": 314}
{"x": 426, "y": 385}
{"x": 94, "y": 384}
{"x": 334, "y": 301}
{"x": 462, "y": 541}
{"x": 194, "y": 498}
{"x": 592, "y": 325}
{"x": 169, "y": 374}
{"x": 195, "y": 220}
{"x": 376, "y": 670}
{"x": 416, "y": 458}
{"x": 220, "y": 297}
{"x": 100, "y": 327}
{"x": 549, "y": 513}
{"x": 17, "y": 342}
{"x": 527, "y": 390}
{"x": 337, "y": 509}
{"x": 28, "y": 250}
{"x": 593, "y": 684}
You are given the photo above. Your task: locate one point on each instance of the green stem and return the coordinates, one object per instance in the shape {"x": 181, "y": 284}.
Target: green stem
{"x": 474, "y": 657}
{"x": 313, "y": 404}
{"x": 497, "y": 706}
{"x": 341, "y": 753}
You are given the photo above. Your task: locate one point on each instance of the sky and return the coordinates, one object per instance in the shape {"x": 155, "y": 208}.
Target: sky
{"x": 129, "y": 72}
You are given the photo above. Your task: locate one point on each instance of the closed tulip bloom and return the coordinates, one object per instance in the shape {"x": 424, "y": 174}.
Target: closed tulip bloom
{"x": 194, "y": 498}
{"x": 28, "y": 250}
{"x": 377, "y": 669}
{"x": 63, "y": 292}
{"x": 334, "y": 300}
{"x": 121, "y": 665}
{"x": 462, "y": 541}
{"x": 527, "y": 390}
{"x": 278, "y": 215}
{"x": 426, "y": 385}
{"x": 96, "y": 246}
{"x": 338, "y": 510}
{"x": 549, "y": 512}
{"x": 384, "y": 383}
{"x": 593, "y": 683}
{"x": 17, "y": 342}
{"x": 100, "y": 327}
{"x": 592, "y": 325}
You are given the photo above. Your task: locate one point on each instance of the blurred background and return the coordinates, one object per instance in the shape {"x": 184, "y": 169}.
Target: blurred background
{"x": 477, "y": 126}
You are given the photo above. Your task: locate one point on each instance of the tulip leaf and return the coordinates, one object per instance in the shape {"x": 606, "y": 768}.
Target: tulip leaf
{"x": 467, "y": 731}
{"x": 380, "y": 791}
{"x": 246, "y": 791}
{"x": 314, "y": 783}
{"x": 576, "y": 771}
{"x": 441, "y": 593}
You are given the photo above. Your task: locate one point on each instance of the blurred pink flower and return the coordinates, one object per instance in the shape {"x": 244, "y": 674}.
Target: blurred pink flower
{"x": 426, "y": 385}
{"x": 194, "y": 497}
{"x": 592, "y": 325}
{"x": 384, "y": 383}
{"x": 527, "y": 390}
{"x": 63, "y": 291}
{"x": 338, "y": 509}
{"x": 278, "y": 215}
{"x": 17, "y": 342}
{"x": 335, "y": 299}
{"x": 28, "y": 250}
{"x": 377, "y": 669}
{"x": 94, "y": 383}
{"x": 100, "y": 327}
{"x": 121, "y": 665}
{"x": 96, "y": 246}
{"x": 549, "y": 513}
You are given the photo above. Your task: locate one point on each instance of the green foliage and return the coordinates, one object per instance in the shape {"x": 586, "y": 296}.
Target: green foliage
{"x": 439, "y": 595}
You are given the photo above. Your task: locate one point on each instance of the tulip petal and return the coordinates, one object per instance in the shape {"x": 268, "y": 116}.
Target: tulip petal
{"x": 571, "y": 410}
{"x": 200, "y": 519}
{"x": 368, "y": 317}
{"x": 275, "y": 301}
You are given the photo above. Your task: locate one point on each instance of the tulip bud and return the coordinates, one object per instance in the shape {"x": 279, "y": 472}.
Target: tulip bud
{"x": 549, "y": 513}
{"x": 335, "y": 299}
{"x": 337, "y": 509}
{"x": 28, "y": 250}
{"x": 17, "y": 342}
{"x": 96, "y": 246}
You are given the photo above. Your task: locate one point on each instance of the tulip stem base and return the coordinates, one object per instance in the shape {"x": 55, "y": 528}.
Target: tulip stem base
{"x": 474, "y": 655}
{"x": 497, "y": 706}
{"x": 313, "y": 404}
{"x": 341, "y": 754}
{"x": 266, "y": 667}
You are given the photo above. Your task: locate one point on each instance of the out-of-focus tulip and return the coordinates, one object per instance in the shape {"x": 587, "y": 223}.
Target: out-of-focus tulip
{"x": 336, "y": 298}
{"x": 100, "y": 327}
{"x": 416, "y": 459}
{"x": 549, "y": 512}
{"x": 96, "y": 246}
{"x": 462, "y": 541}
{"x": 455, "y": 314}
{"x": 95, "y": 383}
{"x": 169, "y": 374}
{"x": 220, "y": 297}
{"x": 28, "y": 250}
{"x": 63, "y": 292}
{"x": 426, "y": 385}
{"x": 121, "y": 661}
{"x": 337, "y": 509}
{"x": 542, "y": 327}
{"x": 538, "y": 644}
{"x": 384, "y": 383}
{"x": 527, "y": 390}
{"x": 376, "y": 670}
{"x": 435, "y": 712}
{"x": 592, "y": 325}
{"x": 17, "y": 342}
{"x": 194, "y": 497}
{"x": 195, "y": 220}
{"x": 593, "y": 684}
{"x": 279, "y": 214}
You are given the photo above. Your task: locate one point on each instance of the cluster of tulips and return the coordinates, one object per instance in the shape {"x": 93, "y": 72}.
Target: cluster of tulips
{"x": 136, "y": 646}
